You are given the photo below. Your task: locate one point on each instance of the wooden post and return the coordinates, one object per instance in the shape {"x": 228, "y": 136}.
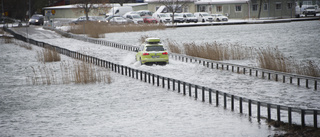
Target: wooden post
{"x": 184, "y": 88}
{"x": 315, "y": 119}
{"x": 217, "y": 98}
{"x": 232, "y": 102}
{"x": 290, "y": 116}
{"x": 240, "y": 104}
{"x": 278, "y": 113}
{"x": 225, "y": 100}
{"x": 302, "y": 118}
{"x": 173, "y": 84}
{"x": 196, "y": 92}
{"x": 210, "y": 96}
{"x": 178, "y": 86}
{"x": 269, "y": 112}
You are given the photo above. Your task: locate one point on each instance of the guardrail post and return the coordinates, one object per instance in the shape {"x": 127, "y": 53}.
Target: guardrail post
{"x": 184, "y": 88}
{"x": 217, "y": 98}
{"x": 298, "y": 79}
{"x": 122, "y": 70}
{"x": 315, "y": 119}
{"x": 152, "y": 79}
{"x": 269, "y": 112}
{"x": 240, "y": 104}
{"x": 225, "y": 100}
{"x": 257, "y": 73}
{"x": 149, "y": 78}
{"x": 278, "y": 113}
{"x": 250, "y": 72}
{"x": 137, "y": 74}
{"x": 290, "y": 116}
{"x": 178, "y": 86}
{"x": 158, "y": 80}
{"x": 132, "y": 73}
{"x": 145, "y": 76}
{"x": 118, "y": 68}
{"x": 140, "y": 75}
{"x": 269, "y": 76}
{"x": 284, "y": 79}
{"x": 307, "y": 84}
{"x": 258, "y": 111}
{"x": 168, "y": 81}
{"x": 210, "y": 96}
{"x": 232, "y": 102}
{"x": 244, "y": 70}
{"x": 196, "y": 92}
{"x": 276, "y": 77}
{"x": 249, "y": 107}
{"x": 203, "y": 95}
{"x": 163, "y": 85}
{"x": 290, "y": 80}
{"x": 173, "y": 84}
{"x": 189, "y": 90}
{"x": 303, "y": 124}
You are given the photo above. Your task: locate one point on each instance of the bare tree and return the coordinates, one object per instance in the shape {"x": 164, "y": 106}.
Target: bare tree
{"x": 88, "y": 5}
{"x": 175, "y": 6}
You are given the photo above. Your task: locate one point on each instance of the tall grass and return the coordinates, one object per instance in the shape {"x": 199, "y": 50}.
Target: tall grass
{"x": 48, "y": 55}
{"x": 74, "y": 72}
{"x": 213, "y": 51}
{"x": 97, "y": 30}
{"x": 274, "y": 59}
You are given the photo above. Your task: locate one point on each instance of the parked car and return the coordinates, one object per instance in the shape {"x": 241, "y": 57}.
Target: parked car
{"x": 36, "y": 19}
{"x": 119, "y": 11}
{"x": 83, "y": 19}
{"x": 189, "y": 17}
{"x": 219, "y": 17}
{"x": 310, "y": 11}
{"x": 162, "y": 17}
{"x": 136, "y": 18}
{"x": 152, "y": 51}
{"x": 149, "y": 19}
{"x": 203, "y": 16}
{"x": 144, "y": 13}
{"x": 118, "y": 20}
{"x": 178, "y": 17}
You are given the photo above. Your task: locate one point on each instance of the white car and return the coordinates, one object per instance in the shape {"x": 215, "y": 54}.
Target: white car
{"x": 117, "y": 20}
{"x": 204, "y": 16}
{"x": 136, "y": 18}
{"x": 189, "y": 17}
{"x": 162, "y": 17}
{"x": 219, "y": 17}
{"x": 178, "y": 17}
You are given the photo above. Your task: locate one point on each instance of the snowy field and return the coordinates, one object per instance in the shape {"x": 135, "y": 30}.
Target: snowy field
{"x": 126, "y": 107}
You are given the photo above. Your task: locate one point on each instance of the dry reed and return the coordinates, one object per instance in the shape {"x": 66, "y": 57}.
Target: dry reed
{"x": 77, "y": 72}
{"x": 48, "y": 55}
{"x": 274, "y": 59}
{"x": 97, "y": 30}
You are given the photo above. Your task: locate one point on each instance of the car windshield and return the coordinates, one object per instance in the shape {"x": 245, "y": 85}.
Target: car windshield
{"x": 205, "y": 14}
{"x": 178, "y": 15}
{"x": 163, "y": 15}
{"x": 310, "y": 8}
{"x": 136, "y": 16}
{"x": 155, "y": 48}
{"x": 35, "y": 17}
{"x": 190, "y": 15}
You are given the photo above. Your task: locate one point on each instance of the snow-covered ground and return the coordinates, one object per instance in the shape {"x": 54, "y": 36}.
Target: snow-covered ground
{"x": 126, "y": 107}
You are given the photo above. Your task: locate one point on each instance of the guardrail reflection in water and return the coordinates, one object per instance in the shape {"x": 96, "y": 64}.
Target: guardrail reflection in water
{"x": 271, "y": 112}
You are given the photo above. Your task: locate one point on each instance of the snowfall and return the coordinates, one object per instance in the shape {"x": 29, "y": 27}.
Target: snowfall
{"x": 129, "y": 107}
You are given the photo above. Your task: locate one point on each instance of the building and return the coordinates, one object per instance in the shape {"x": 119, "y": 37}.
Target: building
{"x": 240, "y": 8}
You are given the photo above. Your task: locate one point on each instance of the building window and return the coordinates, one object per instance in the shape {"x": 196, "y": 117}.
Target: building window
{"x": 307, "y": 2}
{"x": 265, "y": 6}
{"x": 202, "y": 8}
{"x": 238, "y": 8}
{"x": 255, "y": 7}
{"x": 289, "y": 5}
{"x": 278, "y": 6}
{"x": 219, "y": 8}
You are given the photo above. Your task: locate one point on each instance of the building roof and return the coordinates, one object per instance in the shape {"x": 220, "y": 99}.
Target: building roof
{"x": 221, "y": 1}
{"x": 107, "y": 5}
{"x": 207, "y": 1}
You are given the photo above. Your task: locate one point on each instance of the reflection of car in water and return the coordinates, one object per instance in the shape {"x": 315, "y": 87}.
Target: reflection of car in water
{"x": 36, "y": 19}
{"x": 152, "y": 51}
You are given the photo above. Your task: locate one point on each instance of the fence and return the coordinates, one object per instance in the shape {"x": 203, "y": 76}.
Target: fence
{"x": 189, "y": 89}
{"x": 309, "y": 82}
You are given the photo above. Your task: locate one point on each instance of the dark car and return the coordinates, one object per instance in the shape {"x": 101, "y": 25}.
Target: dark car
{"x": 36, "y": 19}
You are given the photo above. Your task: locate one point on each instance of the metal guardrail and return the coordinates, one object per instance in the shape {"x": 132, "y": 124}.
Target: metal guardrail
{"x": 192, "y": 90}
{"x": 295, "y": 79}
